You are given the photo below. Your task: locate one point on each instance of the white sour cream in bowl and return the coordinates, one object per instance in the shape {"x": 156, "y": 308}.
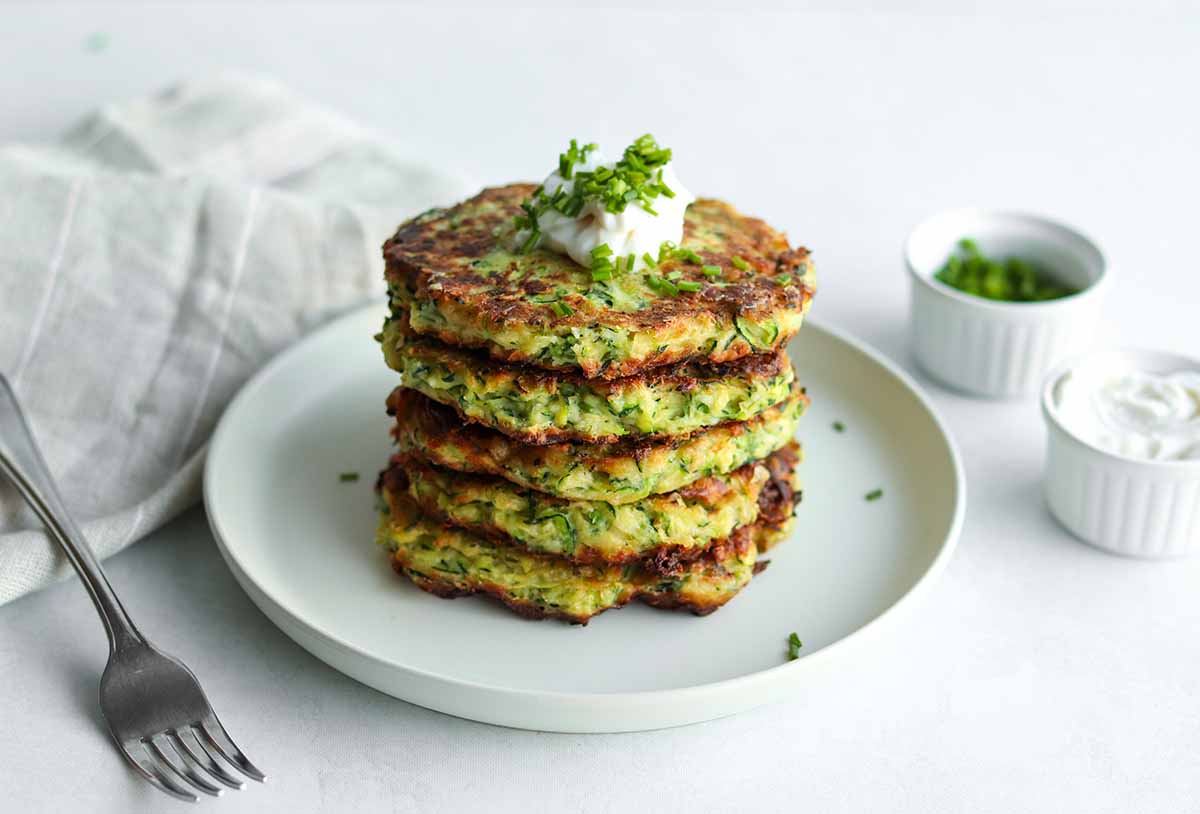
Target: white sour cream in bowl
{"x": 1123, "y": 451}
{"x": 1135, "y": 413}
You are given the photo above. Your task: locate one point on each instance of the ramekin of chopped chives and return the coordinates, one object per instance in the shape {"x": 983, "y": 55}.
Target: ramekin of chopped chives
{"x": 1011, "y": 279}
{"x": 999, "y": 297}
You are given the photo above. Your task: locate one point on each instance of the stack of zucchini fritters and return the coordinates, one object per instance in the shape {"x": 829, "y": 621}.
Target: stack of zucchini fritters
{"x": 568, "y": 445}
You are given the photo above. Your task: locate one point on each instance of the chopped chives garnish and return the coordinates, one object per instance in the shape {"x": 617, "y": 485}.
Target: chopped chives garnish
{"x": 740, "y": 263}
{"x": 636, "y": 177}
{"x": 602, "y": 267}
{"x": 689, "y": 285}
{"x": 561, "y": 308}
{"x": 662, "y": 285}
{"x": 691, "y": 256}
{"x": 649, "y": 261}
{"x": 630, "y": 261}
{"x": 711, "y": 271}
{"x": 348, "y": 477}
{"x": 619, "y": 270}
{"x": 839, "y": 426}
{"x": 794, "y": 645}
{"x": 531, "y": 241}
{"x": 874, "y": 494}
{"x": 784, "y": 279}
{"x": 675, "y": 275}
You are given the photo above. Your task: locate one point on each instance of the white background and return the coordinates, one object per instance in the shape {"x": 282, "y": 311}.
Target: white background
{"x": 1040, "y": 675}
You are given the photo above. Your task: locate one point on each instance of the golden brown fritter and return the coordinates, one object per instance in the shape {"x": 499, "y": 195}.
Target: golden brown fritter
{"x": 539, "y": 406}
{"x": 449, "y": 562}
{"x": 618, "y": 473}
{"x": 464, "y": 283}
{"x": 660, "y": 529}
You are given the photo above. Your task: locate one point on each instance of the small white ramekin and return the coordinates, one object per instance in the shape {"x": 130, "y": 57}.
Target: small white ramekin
{"x": 1129, "y": 506}
{"x": 1000, "y": 349}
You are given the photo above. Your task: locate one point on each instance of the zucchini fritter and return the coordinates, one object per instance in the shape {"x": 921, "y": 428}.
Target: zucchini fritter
{"x": 458, "y": 274}
{"x": 673, "y": 526}
{"x": 540, "y": 407}
{"x": 450, "y": 562}
{"x": 615, "y": 473}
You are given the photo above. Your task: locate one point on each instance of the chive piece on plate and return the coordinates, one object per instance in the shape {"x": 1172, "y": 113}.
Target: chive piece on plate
{"x": 348, "y": 477}
{"x": 874, "y": 494}
{"x": 794, "y": 645}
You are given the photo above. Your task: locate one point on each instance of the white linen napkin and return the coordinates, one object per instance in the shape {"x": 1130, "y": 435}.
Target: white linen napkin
{"x": 150, "y": 262}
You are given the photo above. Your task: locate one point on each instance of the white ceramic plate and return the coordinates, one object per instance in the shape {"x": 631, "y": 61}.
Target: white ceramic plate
{"x": 301, "y": 543}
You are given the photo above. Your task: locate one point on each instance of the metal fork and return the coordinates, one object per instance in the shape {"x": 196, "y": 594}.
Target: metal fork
{"x": 154, "y": 706}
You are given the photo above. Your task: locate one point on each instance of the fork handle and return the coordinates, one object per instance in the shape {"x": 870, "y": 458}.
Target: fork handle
{"x": 22, "y": 462}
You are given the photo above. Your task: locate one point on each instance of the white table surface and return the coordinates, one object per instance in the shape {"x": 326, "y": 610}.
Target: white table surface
{"x": 1039, "y": 675}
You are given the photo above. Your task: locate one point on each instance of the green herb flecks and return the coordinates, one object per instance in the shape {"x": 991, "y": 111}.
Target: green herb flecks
{"x": 348, "y": 477}
{"x": 602, "y": 265}
{"x": 839, "y": 426}
{"x": 874, "y": 494}
{"x": 739, "y": 263}
{"x": 561, "y": 308}
{"x": 574, "y": 155}
{"x": 794, "y": 645}
{"x": 1010, "y": 279}
{"x": 661, "y": 285}
{"x": 637, "y": 178}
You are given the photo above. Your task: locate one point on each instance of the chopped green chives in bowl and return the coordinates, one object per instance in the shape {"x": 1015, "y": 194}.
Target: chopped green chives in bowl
{"x": 1010, "y": 279}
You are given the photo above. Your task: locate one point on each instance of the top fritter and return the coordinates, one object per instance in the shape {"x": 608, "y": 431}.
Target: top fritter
{"x": 733, "y": 287}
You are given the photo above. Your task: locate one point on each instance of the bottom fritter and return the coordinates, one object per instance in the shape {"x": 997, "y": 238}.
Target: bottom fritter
{"x": 450, "y": 562}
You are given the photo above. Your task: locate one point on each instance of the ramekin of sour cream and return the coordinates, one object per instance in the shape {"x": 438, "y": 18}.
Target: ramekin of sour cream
{"x": 1123, "y": 451}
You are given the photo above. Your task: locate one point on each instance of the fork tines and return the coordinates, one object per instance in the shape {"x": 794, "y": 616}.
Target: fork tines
{"x": 191, "y": 756}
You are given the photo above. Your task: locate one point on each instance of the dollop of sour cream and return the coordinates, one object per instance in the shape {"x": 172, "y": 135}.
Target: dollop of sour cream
{"x": 1133, "y": 413}
{"x": 633, "y": 231}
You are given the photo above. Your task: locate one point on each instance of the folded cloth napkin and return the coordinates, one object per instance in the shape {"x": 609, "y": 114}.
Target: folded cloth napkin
{"x": 150, "y": 262}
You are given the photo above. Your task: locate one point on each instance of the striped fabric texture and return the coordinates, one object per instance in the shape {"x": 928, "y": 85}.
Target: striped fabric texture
{"x": 151, "y": 261}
